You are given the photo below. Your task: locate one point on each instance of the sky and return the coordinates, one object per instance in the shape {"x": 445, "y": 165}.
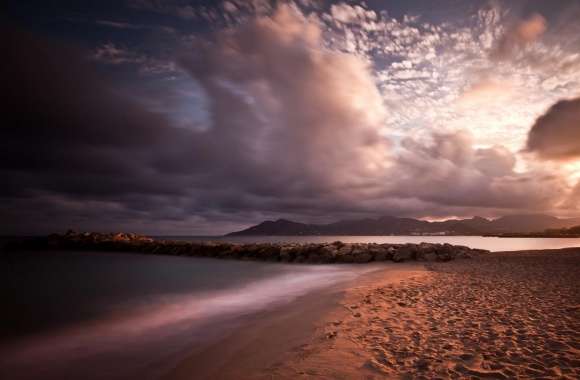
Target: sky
{"x": 204, "y": 117}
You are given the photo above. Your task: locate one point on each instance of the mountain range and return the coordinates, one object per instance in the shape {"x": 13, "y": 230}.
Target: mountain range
{"x": 390, "y": 225}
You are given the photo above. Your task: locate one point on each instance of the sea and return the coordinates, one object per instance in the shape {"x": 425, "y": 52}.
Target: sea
{"x": 95, "y": 315}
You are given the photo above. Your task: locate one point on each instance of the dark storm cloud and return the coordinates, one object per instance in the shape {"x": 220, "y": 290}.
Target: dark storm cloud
{"x": 68, "y": 134}
{"x": 556, "y": 134}
{"x": 71, "y": 139}
{"x": 294, "y": 130}
{"x": 63, "y": 122}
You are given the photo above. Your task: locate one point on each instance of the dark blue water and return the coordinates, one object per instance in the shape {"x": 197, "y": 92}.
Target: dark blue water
{"x": 133, "y": 316}
{"x": 69, "y": 287}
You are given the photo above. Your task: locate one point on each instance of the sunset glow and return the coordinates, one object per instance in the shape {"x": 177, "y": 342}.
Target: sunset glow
{"x": 236, "y": 111}
{"x": 290, "y": 189}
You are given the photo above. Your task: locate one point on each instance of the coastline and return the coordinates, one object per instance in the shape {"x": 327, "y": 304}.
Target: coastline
{"x": 500, "y": 315}
{"x": 271, "y": 338}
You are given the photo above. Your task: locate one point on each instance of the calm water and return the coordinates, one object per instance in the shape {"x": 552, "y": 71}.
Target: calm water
{"x": 489, "y": 243}
{"x": 133, "y": 316}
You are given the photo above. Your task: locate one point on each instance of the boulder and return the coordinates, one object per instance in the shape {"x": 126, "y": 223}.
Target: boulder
{"x": 380, "y": 252}
{"x": 346, "y": 249}
{"x": 338, "y": 244}
{"x": 323, "y": 253}
{"x": 383, "y": 255}
{"x": 271, "y": 252}
{"x": 362, "y": 257}
{"x": 426, "y": 252}
{"x": 287, "y": 253}
{"x": 445, "y": 252}
{"x": 429, "y": 256}
{"x": 403, "y": 253}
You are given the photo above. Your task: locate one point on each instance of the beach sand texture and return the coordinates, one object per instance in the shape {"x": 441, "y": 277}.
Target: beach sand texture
{"x": 497, "y": 316}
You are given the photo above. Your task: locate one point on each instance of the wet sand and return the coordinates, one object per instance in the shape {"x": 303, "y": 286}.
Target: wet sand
{"x": 272, "y": 339}
{"x": 497, "y": 316}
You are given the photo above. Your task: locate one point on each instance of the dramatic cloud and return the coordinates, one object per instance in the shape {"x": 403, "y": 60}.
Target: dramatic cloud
{"x": 67, "y": 132}
{"x": 556, "y": 134}
{"x": 447, "y": 169}
{"x": 311, "y": 142}
{"x": 442, "y": 75}
{"x": 300, "y": 110}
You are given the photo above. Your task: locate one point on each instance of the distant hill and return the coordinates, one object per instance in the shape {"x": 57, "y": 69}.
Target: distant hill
{"x": 390, "y": 225}
{"x": 573, "y": 232}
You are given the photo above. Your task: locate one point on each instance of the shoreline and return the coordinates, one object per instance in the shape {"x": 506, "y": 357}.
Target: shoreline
{"x": 501, "y": 315}
{"x": 270, "y": 338}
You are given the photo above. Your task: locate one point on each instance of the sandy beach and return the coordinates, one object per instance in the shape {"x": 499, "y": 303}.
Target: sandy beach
{"x": 497, "y": 316}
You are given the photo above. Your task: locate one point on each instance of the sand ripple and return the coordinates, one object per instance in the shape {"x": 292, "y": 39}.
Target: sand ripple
{"x": 498, "y": 316}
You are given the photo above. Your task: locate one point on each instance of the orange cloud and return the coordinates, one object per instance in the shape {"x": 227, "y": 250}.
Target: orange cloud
{"x": 522, "y": 34}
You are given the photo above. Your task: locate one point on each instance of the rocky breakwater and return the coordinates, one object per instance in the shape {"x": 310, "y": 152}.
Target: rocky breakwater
{"x": 336, "y": 252}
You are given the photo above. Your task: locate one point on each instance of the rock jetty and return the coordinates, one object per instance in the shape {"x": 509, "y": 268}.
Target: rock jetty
{"x": 336, "y": 252}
